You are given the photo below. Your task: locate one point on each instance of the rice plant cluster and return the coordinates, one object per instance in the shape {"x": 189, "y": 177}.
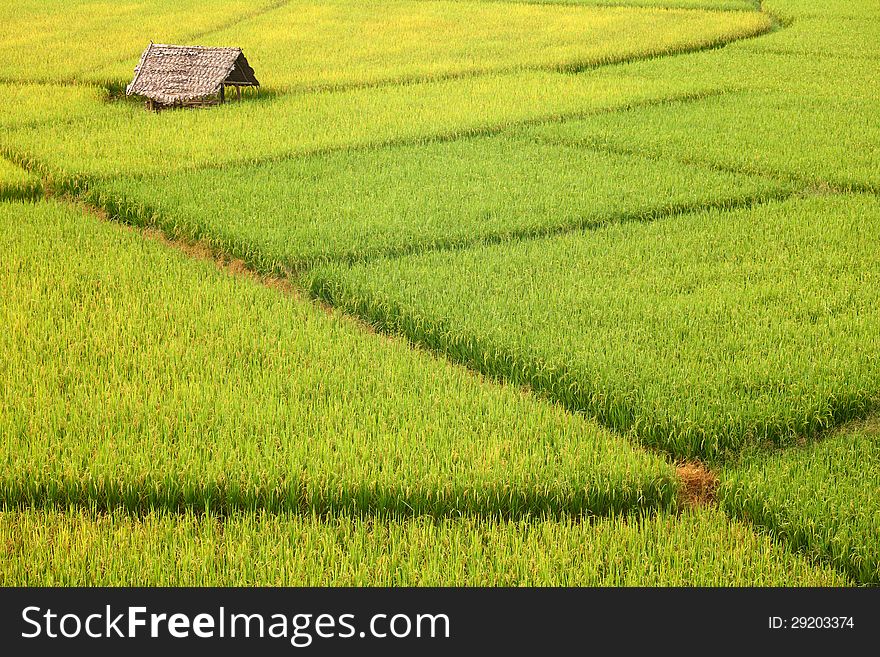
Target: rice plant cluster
{"x": 24, "y": 105}
{"x": 357, "y": 205}
{"x": 488, "y": 272}
{"x": 109, "y": 139}
{"x": 797, "y": 10}
{"x": 821, "y": 498}
{"x": 794, "y": 114}
{"x": 702, "y": 548}
{"x": 133, "y": 377}
{"x": 718, "y": 5}
{"x": 701, "y": 334}
{"x": 16, "y": 183}
{"x": 69, "y": 40}
{"x": 313, "y": 44}
{"x": 824, "y": 143}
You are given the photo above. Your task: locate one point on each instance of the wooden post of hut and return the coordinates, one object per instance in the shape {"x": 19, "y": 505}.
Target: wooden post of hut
{"x": 189, "y": 76}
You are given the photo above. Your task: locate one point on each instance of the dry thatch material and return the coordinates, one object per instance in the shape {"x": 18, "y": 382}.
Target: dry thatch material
{"x": 186, "y": 75}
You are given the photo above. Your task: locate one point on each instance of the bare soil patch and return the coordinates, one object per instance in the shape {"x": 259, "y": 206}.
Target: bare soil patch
{"x": 699, "y": 484}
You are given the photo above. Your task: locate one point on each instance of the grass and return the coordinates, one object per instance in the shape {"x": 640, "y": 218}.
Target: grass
{"x": 66, "y": 40}
{"x": 823, "y": 498}
{"x": 701, "y": 334}
{"x": 134, "y": 376}
{"x": 16, "y": 183}
{"x": 352, "y": 205}
{"x": 699, "y": 548}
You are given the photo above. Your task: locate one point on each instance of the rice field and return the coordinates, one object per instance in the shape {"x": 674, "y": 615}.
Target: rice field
{"x": 833, "y": 511}
{"x": 357, "y": 205}
{"x": 544, "y": 292}
{"x": 792, "y": 10}
{"x": 24, "y": 105}
{"x": 718, "y": 5}
{"x": 337, "y": 43}
{"x": 769, "y": 308}
{"x": 16, "y": 183}
{"x": 68, "y": 40}
{"x": 701, "y": 548}
{"x": 116, "y": 138}
{"x": 807, "y": 118}
{"x": 458, "y": 69}
{"x": 811, "y": 140}
{"x": 822, "y": 37}
{"x": 135, "y": 377}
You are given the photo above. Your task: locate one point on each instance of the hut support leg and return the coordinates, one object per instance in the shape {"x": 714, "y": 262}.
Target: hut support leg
{"x": 222, "y": 93}
{"x": 237, "y": 93}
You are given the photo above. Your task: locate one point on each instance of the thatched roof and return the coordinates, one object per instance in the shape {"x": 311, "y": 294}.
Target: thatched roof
{"x": 173, "y": 75}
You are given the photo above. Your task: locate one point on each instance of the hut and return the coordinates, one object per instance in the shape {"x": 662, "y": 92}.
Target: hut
{"x": 189, "y": 76}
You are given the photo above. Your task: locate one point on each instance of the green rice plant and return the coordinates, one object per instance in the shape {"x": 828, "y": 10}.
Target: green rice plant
{"x": 28, "y": 105}
{"x": 64, "y": 40}
{"x": 700, "y": 334}
{"x": 328, "y": 42}
{"x": 353, "y": 205}
{"x": 798, "y": 115}
{"x": 698, "y": 548}
{"x": 823, "y": 498}
{"x": 123, "y": 139}
{"x": 16, "y": 183}
{"x": 822, "y": 37}
{"x": 308, "y": 44}
{"x": 791, "y": 10}
{"x": 133, "y": 376}
{"x": 717, "y": 5}
{"x": 813, "y": 140}
{"x": 742, "y": 67}
{"x": 807, "y": 118}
